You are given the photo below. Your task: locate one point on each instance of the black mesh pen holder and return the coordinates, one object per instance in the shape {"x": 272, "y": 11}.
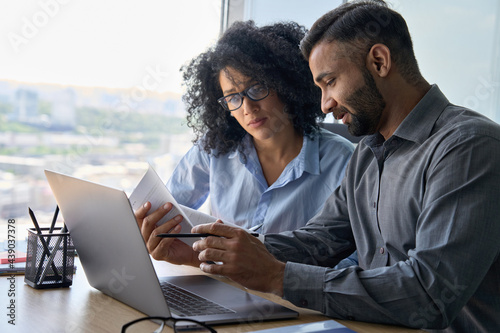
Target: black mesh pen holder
{"x": 50, "y": 259}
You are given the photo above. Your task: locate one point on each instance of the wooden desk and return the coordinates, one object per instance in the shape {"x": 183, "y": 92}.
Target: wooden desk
{"x": 81, "y": 308}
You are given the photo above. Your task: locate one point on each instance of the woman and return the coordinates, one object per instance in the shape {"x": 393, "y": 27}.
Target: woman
{"x": 259, "y": 152}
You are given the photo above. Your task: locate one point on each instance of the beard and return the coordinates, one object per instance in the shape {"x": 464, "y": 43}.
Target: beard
{"x": 368, "y": 104}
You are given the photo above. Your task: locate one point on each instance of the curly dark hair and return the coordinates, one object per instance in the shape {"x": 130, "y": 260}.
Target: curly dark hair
{"x": 269, "y": 55}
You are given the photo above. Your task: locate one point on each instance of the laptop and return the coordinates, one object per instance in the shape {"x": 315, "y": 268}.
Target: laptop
{"x": 115, "y": 259}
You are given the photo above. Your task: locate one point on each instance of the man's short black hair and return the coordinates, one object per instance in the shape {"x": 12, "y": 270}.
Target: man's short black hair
{"x": 361, "y": 24}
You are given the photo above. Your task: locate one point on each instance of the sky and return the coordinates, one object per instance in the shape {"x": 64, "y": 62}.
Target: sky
{"x": 105, "y": 43}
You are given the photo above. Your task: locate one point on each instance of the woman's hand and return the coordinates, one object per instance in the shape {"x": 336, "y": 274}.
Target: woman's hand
{"x": 172, "y": 250}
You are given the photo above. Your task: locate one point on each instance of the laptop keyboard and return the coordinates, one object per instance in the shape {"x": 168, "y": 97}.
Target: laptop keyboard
{"x": 185, "y": 303}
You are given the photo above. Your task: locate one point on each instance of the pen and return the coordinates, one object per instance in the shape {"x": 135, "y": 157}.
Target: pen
{"x": 256, "y": 227}
{"x": 54, "y": 218}
{"x": 50, "y": 261}
{"x": 195, "y": 235}
{"x": 35, "y": 222}
{"x": 51, "y": 229}
{"x": 44, "y": 245}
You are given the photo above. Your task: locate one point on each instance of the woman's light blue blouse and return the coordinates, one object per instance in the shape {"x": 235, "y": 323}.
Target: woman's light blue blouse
{"x": 240, "y": 194}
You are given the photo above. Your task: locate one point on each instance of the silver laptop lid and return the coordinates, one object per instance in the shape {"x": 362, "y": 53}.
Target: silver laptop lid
{"x": 109, "y": 243}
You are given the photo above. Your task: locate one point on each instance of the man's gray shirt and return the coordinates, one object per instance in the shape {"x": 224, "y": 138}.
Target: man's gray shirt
{"x": 423, "y": 211}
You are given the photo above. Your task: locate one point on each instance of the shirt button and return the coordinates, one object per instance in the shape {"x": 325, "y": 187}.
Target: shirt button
{"x": 382, "y": 250}
{"x": 304, "y": 303}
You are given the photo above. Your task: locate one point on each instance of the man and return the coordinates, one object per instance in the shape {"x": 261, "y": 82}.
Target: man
{"x": 419, "y": 199}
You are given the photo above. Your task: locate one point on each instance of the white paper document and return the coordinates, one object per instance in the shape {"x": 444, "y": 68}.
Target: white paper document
{"x": 151, "y": 188}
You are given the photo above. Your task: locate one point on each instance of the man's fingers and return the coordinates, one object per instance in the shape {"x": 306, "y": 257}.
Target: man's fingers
{"x": 218, "y": 228}
{"x": 212, "y": 268}
{"x": 211, "y": 254}
{"x": 213, "y": 242}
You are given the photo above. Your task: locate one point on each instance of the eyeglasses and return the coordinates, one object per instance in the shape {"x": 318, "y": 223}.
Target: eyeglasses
{"x": 234, "y": 101}
{"x": 146, "y": 324}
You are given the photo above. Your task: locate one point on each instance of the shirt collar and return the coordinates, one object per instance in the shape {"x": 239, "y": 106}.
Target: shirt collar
{"x": 417, "y": 126}
{"x": 309, "y": 155}
{"x": 247, "y": 146}
{"x": 306, "y": 161}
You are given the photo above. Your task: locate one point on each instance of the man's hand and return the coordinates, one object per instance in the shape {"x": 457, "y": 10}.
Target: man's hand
{"x": 244, "y": 259}
{"x": 169, "y": 249}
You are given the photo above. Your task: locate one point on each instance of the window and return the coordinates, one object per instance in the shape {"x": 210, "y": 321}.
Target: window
{"x": 92, "y": 89}
{"x": 267, "y": 12}
{"x": 457, "y": 45}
